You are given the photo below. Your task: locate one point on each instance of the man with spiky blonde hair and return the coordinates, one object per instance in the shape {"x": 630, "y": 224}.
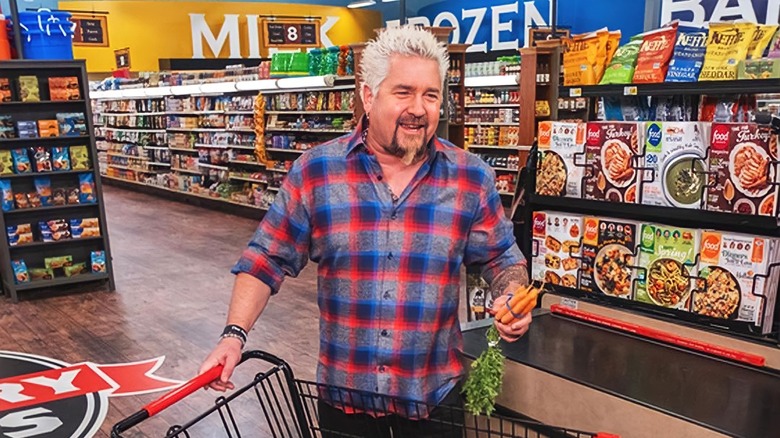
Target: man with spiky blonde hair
{"x": 390, "y": 213}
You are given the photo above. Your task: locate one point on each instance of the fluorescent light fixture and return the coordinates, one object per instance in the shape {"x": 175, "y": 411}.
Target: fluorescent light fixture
{"x": 185, "y": 89}
{"x": 263, "y": 84}
{"x": 361, "y": 4}
{"x": 491, "y": 81}
{"x": 307, "y": 82}
{"x": 157, "y": 91}
{"x": 218, "y": 87}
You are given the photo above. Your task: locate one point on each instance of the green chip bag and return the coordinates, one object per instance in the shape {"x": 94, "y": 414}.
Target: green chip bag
{"x": 621, "y": 67}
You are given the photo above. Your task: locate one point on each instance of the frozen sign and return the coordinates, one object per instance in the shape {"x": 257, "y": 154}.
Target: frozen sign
{"x": 500, "y": 26}
{"x": 697, "y": 13}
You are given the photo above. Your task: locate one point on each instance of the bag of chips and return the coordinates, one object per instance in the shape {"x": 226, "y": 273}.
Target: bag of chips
{"x": 6, "y": 162}
{"x": 21, "y": 161}
{"x": 621, "y": 68}
{"x": 602, "y": 55}
{"x": 688, "y": 56}
{"x": 761, "y": 39}
{"x": 42, "y": 159}
{"x": 79, "y": 158}
{"x": 654, "y": 54}
{"x": 87, "y": 189}
{"x": 580, "y": 59}
{"x": 8, "y": 194}
{"x": 43, "y": 187}
{"x": 60, "y": 159}
{"x": 20, "y": 272}
{"x": 727, "y": 44}
{"x": 98, "y": 261}
{"x": 613, "y": 42}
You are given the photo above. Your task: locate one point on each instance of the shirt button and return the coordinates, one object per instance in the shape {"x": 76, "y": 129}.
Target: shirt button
{"x": 387, "y": 295}
{"x": 390, "y": 256}
{"x": 382, "y": 369}
{"x": 384, "y": 332}
{"x": 394, "y": 216}
{"x": 380, "y": 177}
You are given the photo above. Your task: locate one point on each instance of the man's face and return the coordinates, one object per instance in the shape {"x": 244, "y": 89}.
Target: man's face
{"x": 405, "y": 110}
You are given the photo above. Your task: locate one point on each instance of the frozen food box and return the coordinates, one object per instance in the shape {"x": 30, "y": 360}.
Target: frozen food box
{"x": 741, "y": 162}
{"x": 608, "y": 256}
{"x": 612, "y": 154}
{"x": 734, "y": 268}
{"x": 667, "y": 260}
{"x": 559, "y": 172}
{"x": 675, "y": 159}
{"x": 556, "y": 246}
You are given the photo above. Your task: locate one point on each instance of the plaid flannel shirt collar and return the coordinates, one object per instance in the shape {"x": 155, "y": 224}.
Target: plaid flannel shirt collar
{"x": 357, "y": 141}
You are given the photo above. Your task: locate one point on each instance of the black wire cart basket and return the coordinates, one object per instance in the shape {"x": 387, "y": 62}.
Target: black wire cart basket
{"x": 287, "y": 407}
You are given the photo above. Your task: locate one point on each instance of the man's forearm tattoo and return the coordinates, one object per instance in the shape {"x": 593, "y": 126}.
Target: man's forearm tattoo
{"x": 516, "y": 273}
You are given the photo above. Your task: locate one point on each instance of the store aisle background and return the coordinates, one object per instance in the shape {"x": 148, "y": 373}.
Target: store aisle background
{"x": 172, "y": 265}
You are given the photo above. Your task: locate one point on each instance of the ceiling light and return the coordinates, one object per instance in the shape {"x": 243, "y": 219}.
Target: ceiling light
{"x": 361, "y": 4}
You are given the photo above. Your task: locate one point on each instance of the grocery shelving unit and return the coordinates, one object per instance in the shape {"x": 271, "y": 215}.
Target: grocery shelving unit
{"x": 80, "y": 249}
{"x": 690, "y": 218}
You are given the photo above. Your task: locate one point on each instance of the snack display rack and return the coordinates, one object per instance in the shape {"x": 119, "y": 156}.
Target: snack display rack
{"x": 229, "y": 137}
{"x": 765, "y": 226}
{"x": 77, "y": 251}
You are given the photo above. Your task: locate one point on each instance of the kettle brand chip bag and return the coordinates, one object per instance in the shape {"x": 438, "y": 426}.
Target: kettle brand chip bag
{"x": 761, "y": 39}
{"x": 727, "y": 45}
{"x": 688, "y": 56}
{"x": 582, "y": 56}
{"x": 653, "y": 60}
{"x": 613, "y": 42}
{"x": 621, "y": 68}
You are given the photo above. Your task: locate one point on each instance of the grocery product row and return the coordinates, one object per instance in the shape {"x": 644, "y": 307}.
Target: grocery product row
{"x": 39, "y": 159}
{"x": 343, "y": 100}
{"x": 724, "y": 167}
{"x": 53, "y": 230}
{"x": 43, "y": 194}
{"x": 58, "y": 267}
{"x": 28, "y": 89}
{"x": 492, "y": 136}
{"x": 722, "y": 51}
{"x": 716, "y": 274}
{"x": 503, "y": 65}
{"x": 64, "y": 124}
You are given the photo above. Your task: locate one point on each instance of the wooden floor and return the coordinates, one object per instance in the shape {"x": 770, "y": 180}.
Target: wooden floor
{"x": 172, "y": 263}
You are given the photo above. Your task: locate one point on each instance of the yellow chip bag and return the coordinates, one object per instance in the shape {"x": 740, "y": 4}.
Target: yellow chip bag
{"x": 602, "y": 55}
{"x": 727, "y": 44}
{"x": 761, "y": 38}
{"x": 579, "y": 59}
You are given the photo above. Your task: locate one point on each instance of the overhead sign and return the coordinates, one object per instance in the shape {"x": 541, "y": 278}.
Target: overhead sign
{"x": 91, "y": 30}
{"x": 47, "y": 398}
{"x": 292, "y": 33}
{"x": 493, "y": 25}
{"x": 697, "y": 13}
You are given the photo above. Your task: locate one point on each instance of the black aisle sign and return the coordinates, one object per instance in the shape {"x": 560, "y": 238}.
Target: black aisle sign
{"x": 91, "y": 30}
{"x": 292, "y": 33}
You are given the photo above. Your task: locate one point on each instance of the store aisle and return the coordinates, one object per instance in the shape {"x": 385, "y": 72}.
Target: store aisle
{"x": 171, "y": 263}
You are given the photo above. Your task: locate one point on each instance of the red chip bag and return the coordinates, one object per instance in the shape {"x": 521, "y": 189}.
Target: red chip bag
{"x": 654, "y": 55}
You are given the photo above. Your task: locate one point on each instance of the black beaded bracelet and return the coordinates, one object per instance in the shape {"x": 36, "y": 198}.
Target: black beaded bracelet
{"x": 235, "y": 331}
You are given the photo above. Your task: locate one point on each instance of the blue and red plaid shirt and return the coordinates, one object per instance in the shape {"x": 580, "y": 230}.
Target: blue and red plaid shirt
{"x": 388, "y": 267}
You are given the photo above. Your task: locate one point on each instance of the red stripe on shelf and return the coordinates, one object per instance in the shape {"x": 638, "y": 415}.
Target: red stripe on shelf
{"x": 727, "y": 353}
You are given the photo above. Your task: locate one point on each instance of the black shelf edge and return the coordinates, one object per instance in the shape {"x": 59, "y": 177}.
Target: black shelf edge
{"x": 748, "y": 86}
{"x": 56, "y": 243}
{"x": 701, "y": 219}
{"x": 62, "y": 138}
{"x": 34, "y": 174}
{"x": 83, "y": 278}
{"x": 42, "y": 103}
{"x": 49, "y": 208}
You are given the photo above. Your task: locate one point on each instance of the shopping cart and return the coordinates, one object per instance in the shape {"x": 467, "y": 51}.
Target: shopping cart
{"x": 287, "y": 407}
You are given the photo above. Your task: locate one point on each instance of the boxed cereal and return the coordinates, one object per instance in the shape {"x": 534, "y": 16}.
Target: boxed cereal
{"x": 667, "y": 260}
{"x": 558, "y": 173}
{"x": 741, "y": 156}
{"x": 734, "y": 268}
{"x": 608, "y": 248}
{"x": 612, "y": 153}
{"x": 556, "y": 239}
{"x": 675, "y": 159}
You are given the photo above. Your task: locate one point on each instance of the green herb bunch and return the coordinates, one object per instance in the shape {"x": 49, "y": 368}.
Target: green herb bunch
{"x": 484, "y": 381}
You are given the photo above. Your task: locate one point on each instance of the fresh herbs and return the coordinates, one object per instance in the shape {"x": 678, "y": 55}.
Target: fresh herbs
{"x": 484, "y": 381}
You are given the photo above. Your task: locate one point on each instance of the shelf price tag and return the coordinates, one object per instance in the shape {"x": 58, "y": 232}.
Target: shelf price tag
{"x": 575, "y": 92}
{"x": 571, "y": 303}
{"x": 630, "y": 91}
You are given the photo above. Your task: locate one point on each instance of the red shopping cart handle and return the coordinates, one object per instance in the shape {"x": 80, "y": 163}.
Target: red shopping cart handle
{"x": 167, "y": 400}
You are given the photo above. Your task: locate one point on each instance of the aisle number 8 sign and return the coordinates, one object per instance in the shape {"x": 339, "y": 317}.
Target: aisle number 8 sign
{"x": 292, "y": 33}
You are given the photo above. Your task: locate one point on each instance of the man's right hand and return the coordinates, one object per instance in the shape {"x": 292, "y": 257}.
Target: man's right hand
{"x": 226, "y": 353}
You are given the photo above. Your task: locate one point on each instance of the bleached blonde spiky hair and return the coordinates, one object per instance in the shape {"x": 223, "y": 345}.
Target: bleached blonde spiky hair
{"x": 405, "y": 40}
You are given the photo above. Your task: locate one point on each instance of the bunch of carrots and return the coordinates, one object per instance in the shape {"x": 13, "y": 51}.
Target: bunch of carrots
{"x": 487, "y": 372}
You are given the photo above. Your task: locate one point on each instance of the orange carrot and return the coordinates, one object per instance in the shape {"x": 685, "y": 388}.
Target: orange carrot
{"x": 518, "y": 308}
{"x": 519, "y": 294}
{"x": 530, "y": 306}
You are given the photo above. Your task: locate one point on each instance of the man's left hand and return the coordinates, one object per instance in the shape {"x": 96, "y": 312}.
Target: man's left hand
{"x": 516, "y": 329}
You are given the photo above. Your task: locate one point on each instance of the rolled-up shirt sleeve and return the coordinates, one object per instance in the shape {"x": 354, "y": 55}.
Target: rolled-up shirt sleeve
{"x": 280, "y": 245}
{"x": 491, "y": 243}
